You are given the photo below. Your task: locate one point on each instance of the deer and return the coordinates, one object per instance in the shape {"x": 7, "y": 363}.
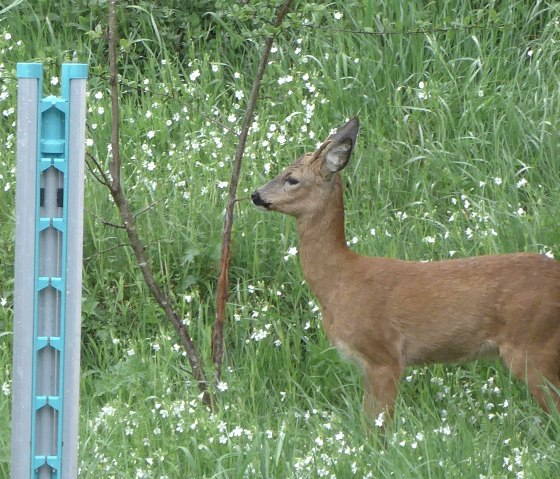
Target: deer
{"x": 386, "y": 314}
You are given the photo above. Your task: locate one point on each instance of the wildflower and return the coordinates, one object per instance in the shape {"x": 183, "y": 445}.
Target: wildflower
{"x": 239, "y": 95}
{"x": 292, "y": 251}
{"x": 54, "y": 81}
{"x": 194, "y": 75}
{"x": 379, "y": 420}
{"x": 498, "y": 180}
{"x": 222, "y": 386}
{"x": 7, "y": 36}
{"x": 521, "y": 182}
{"x": 338, "y": 15}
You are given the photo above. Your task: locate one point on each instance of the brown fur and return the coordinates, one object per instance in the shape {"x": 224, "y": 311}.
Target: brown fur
{"x": 387, "y": 314}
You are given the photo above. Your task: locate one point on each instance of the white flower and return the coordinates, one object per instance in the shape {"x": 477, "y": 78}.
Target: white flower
{"x": 194, "y": 75}
{"x": 292, "y": 251}
{"x": 239, "y": 94}
{"x": 521, "y": 182}
{"x": 222, "y": 386}
{"x": 498, "y": 180}
{"x": 379, "y": 420}
{"x": 7, "y": 36}
{"x": 151, "y": 134}
{"x": 338, "y": 15}
{"x": 54, "y": 81}
{"x": 222, "y": 184}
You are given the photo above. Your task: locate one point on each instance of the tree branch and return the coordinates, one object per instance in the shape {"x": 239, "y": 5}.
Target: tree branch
{"x": 223, "y": 280}
{"x": 164, "y": 300}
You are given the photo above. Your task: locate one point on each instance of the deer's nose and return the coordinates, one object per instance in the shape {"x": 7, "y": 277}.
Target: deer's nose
{"x": 256, "y": 197}
{"x": 258, "y": 201}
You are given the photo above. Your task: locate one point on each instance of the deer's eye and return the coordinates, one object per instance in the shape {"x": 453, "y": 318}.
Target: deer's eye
{"x": 291, "y": 180}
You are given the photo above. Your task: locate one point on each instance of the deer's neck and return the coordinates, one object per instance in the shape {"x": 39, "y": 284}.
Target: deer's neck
{"x": 323, "y": 250}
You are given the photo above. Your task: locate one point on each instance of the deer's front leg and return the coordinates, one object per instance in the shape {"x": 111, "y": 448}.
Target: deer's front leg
{"x": 381, "y": 388}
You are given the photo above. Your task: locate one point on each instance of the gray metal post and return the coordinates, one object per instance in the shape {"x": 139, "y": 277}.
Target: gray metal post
{"x": 75, "y": 197}
{"x": 48, "y": 278}
{"x": 29, "y": 88}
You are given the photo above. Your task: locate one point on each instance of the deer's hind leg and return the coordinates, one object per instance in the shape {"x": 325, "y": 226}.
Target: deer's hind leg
{"x": 540, "y": 370}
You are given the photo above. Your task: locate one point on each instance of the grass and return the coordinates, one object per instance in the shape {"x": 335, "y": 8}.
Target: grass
{"x": 457, "y": 156}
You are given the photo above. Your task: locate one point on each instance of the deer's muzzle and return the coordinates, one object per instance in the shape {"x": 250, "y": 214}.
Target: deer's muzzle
{"x": 258, "y": 201}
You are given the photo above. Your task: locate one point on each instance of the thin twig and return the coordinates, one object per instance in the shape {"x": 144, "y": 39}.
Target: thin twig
{"x": 223, "y": 280}
{"x": 103, "y": 221}
{"x": 147, "y": 208}
{"x": 98, "y": 253}
{"x": 406, "y": 32}
{"x": 98, "y": 170}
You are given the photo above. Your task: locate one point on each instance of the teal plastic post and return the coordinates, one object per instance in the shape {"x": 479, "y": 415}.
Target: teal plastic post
{"x": 47, "y": 307}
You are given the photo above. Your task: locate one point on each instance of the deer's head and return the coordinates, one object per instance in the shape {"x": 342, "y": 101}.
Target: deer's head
{"x": 312, "y": 179}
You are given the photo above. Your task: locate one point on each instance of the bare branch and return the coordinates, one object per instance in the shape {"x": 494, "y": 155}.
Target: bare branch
{"x": 223, "y": 280}
{"x": 164, "y": 300}
{"x": 97, "y": 172}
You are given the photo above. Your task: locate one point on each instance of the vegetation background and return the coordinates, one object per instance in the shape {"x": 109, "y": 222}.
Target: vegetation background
{"x": 458, "y": 155}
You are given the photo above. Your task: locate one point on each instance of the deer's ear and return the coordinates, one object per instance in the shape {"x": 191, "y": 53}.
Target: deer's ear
{"x": 340, "y": 146}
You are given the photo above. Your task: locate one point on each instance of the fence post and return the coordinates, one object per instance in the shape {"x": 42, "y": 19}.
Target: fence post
{"x": 48, "y": 269}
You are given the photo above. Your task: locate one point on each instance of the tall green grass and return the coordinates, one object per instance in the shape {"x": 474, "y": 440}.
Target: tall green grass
{"x": 457, "y": 156}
